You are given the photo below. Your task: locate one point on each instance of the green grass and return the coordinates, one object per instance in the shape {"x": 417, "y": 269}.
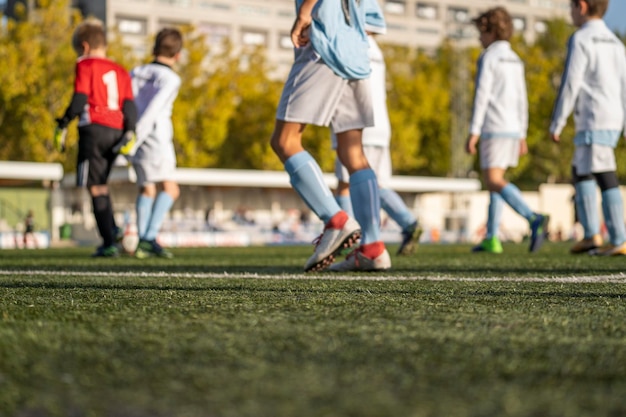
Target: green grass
{"x": 208, "y": 333}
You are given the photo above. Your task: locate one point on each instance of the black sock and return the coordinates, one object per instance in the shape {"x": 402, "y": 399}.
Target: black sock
{"x": 103, "y": 212}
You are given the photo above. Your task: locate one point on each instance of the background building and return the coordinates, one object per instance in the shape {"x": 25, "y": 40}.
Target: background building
{"x": 414, "y": 23}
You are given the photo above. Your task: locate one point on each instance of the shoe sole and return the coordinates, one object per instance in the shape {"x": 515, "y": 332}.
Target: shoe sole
{"x": 347, "y": 243}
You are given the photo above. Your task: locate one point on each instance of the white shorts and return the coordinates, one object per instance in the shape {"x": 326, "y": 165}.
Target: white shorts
{"x": 498, "y": 152}
{"x": 314, "y": 94}
{"x": 594, "y": 158}
{"x": 154, "y": 163}
{"x": 379, "y": 159}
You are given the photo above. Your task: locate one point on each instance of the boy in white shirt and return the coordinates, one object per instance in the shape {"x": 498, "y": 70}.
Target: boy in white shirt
{"x": 500, "y": 121}
{"x": 155, "y": 86}
{"x": 594, "y": 87}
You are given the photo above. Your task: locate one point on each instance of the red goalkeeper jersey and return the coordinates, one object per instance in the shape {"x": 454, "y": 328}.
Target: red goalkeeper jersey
{"x": 107, "y": 86}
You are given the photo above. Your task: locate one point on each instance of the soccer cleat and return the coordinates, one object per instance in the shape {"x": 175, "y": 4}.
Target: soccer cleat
{"x": 148, "y": 248}
{"x": 106, "y": 252}
{"x": 410, "y": 238}
{"x": 610, "y": 250}
{"x": 357, "y": 261}
{"x": 538, "y": 231}
{"x": 489, "y": 245}
{"x": 586, "y": 245}
{"x": 339, "y": 233}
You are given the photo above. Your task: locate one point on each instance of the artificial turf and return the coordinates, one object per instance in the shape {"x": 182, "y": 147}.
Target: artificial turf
{"x": 243, "y": 332}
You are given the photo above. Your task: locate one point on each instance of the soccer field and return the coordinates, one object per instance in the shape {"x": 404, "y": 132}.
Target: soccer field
{"x": 243, "y": 332}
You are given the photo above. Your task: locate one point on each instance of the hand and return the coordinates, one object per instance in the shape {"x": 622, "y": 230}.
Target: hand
{"x": 126, "y": 145}
{"x": 555, "y": 137}
{"x": 300, "y": 32}
{"x": 470, "y": 145}
{"x": 59, "y": 139}
{"x": 523, "y": 147}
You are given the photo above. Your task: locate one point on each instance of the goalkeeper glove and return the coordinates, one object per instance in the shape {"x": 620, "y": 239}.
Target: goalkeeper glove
{"x": 126, "y": 145}
{"x": 59, "y": 139}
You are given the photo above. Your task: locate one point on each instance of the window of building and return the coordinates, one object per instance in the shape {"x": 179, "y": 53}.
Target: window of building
{"x": 284, "y": 41}
{"x": 395, "y": 26}
{"x": 540, "y": 26}
{"x": 171, "y": 24}
{"x": 395, "y": 7}
{"x": 253, "y": 37}
{"x": 290, "y": 13}
{"x": 519, "y": 23}
{"x": 177, "y": 3}
{"x": 248, "y": 10}
{"x": 213, "y": 5}
{"x": 428, "y": 31}
{"x": 427, "y": 11}
{"x": 459, "y": 15}
{"x": 132, "y": 25}
{"x": 215, "y": 32}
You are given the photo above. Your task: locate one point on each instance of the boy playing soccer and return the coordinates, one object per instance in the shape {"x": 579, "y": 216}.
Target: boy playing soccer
{"x": 328, "y": 85}
{"x": 103, "y": 99}
{"x": 376, "y": 141}
{"x": 500, "y": 121}
{"x": 155, "y": 86}
{"x": 594, "y": 87}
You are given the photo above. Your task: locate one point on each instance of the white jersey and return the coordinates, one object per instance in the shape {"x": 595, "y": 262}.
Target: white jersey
{"x": 380, "y": 133}
{"x": 593, "y": 83}
{"x": 500, "y": 100}
{"x": 155, "y": 87}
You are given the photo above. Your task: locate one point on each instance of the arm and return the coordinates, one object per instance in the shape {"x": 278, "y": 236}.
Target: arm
{"x": 523, "y": 108}
{"x": 482, "y": 92}
{"x": 623, "y": 72}
{"x": 75, "y": 108}
{"x": 300, "y": 29}
{"x": 571, "y": 83}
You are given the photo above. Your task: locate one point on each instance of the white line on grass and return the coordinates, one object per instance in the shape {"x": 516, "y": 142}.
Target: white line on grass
{"x": 619, "y": 278}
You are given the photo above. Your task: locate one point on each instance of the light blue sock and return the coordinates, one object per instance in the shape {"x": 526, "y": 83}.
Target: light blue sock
{"x": 306, "y": 178}
{"x": 393, "y": 204}
{"x": 494, "y": 214}
{"x": 513, "y": 197}
{"x": 162, "y": 205}
{"x": 587, "y": 207}
{"x": 345, "y": 202}
{"x": 366, "y": 204}
{"x": 143, "y": 207}
{"x": 613, "y": 209}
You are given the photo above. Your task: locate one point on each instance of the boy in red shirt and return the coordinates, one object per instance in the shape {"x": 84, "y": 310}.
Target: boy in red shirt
{"x": 103, "y": 99}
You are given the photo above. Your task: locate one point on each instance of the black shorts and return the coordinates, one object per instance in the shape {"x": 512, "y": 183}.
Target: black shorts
{"x": 95, "y": 154}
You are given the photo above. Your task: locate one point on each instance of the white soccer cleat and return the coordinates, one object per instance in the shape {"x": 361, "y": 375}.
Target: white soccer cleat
{"x": 331, "y": 242}
{"x": 356, "y": 261}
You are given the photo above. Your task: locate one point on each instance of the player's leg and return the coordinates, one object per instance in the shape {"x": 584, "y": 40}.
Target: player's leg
{"x": 588, "y": 160}
{"x": 491, "y": 243}
{"x": 95, "y": 162}
{"x": 613, "y": 210}
{"x": 364, "y": 192}
{"x": 379, "y": 159}
{"x": 307, "y": 179}
{"x": 342, "y": 192}
{"x": 497, "y": 154}
{"x": 587, "y": 209}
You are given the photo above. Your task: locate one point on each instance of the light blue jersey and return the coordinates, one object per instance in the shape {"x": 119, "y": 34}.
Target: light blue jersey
{"x": 338, "y": 36}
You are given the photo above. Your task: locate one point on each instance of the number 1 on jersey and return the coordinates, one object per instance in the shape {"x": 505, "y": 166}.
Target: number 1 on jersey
{"x": 113, "y": 98}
